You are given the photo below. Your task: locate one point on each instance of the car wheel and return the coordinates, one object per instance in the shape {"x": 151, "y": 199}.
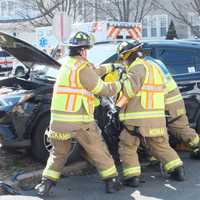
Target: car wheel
{"x": 38, "y": 148}
{"x": 41, "y": 145}
{"x": 19, "y": 71}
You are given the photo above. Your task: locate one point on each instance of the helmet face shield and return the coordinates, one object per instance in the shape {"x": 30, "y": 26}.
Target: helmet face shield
{"x": 125, "y": 49}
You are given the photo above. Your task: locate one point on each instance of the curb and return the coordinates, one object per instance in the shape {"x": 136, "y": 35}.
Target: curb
{"x": 35, "y": 176}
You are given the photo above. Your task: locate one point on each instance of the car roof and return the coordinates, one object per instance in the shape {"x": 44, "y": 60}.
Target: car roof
{"x": 173, "y": 43}
{"x": 166, "y": 43}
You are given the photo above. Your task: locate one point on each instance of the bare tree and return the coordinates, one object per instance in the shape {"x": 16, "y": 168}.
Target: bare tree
{"x": 46, "y": 10}
{"x": 122, "y": 10}
{"x": 179, "y": 11}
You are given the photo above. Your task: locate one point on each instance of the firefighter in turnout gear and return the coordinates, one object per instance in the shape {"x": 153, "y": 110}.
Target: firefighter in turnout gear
{"x": 72, "y": 110}
{"x": 178, "y": 124}
{"x": 144, "y": 116}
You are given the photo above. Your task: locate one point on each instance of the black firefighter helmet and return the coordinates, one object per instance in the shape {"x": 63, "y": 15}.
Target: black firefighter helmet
{"x": 80, "y": 39}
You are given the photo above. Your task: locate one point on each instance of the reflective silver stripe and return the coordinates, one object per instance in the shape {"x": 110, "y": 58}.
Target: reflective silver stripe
{"x": 153, "y": 88}
{"x": 150, "y": 100}
{"x": 70, "y": 103}
{"x": 73, "y": 90}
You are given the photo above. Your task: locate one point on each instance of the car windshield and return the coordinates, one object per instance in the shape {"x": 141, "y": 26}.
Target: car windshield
{"x": 101, "y": 52}
{"x": 96, "y": 55}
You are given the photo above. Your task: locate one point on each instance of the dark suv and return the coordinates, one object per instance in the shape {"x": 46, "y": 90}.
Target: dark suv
{"x": 180, "y": 56}
{"x": 25, "y": 102}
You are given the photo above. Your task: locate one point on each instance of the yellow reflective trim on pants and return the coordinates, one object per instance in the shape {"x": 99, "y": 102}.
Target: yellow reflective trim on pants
{"x": 171, "y": 84}
{"x": 108, "y": 172}
{"x": 71, "y": 118}
{"x": 180, "y": 111}
{"x": 98, "y": 87}
{"x": 51, "y": 174}
{"x": 129, "y": 89}
{"x": 170, "y": 166}
{"x": 59, "y": 136}
{"x": 142, "y": 115}
{"x": 173, "y": 99}
{"x": 132, "y": 171}
{"x": 156, "y": 132}
{"x": 194, "y": 142}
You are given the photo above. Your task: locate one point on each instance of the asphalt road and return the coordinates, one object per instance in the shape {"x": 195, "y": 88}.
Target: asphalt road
{"x": 153, "y": 187}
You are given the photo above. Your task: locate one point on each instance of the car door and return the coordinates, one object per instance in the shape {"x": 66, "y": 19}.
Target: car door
{"x": 178, "y": 60}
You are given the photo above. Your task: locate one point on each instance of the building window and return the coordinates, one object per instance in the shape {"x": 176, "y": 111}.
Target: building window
{"x": 163, "y": 25}
{"x": 195, "y": 21}
{"x": 11, "y": 8}
{"x": 3, "y": 8}
{"x": 145, "y": 27}
{"x": 154, "y": 26}
{"x": 7, "y": 8}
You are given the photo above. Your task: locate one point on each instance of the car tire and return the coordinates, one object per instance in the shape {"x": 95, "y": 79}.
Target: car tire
{"x": 38, "y": 147}
{"x": 19, "y": 71}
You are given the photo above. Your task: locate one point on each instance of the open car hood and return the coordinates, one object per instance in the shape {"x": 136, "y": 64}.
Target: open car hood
{"x": 26, "y": 53}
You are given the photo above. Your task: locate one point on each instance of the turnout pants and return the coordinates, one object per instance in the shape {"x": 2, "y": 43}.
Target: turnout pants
{"x": 158, "y": 146}
{"x": 180, "y": 129}
{"x": 92, "y": 143}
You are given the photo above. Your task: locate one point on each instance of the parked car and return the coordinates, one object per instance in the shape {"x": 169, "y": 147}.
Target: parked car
{"x": 10, "y": 66}
{"x": 25, "y": 103}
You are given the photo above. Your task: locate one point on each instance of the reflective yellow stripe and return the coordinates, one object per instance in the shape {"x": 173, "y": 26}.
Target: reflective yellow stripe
{"x": 171, "y": 84}
{"x": 108, "y": 172}
{"x": 51, "y": 174}
{"x": 155, "y": 132}
{"x": 108, "y": 68}
{"x": 173, "y": 99}
{"x": 132, "y": 171}
{"x": 129, "y": 89}
{"x": 194, "y": 142}
{"x": 118, "y": 86}
{"x": 170, "y": 166}
{"x": 59, "y": 136}
{"x": 71, "y": 118}
{"x": 141, "y": 115}
{"x": 98, "y": 87}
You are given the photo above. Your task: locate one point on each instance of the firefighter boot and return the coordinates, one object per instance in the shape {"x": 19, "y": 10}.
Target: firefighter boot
{"x": 133, "y": 181}
{"x": 178, "y": 174}
{"x": 113, "y": 184}
{"x": 44, "y": 187}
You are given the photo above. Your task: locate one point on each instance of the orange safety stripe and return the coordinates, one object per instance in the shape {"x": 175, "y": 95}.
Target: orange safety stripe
{"x": 64, "y": 86}
{"x": 67, "y": 102}
{"x": 72, "y": 90}
{"x": 74, "y": 103}
{"x": 73, "y": 74}
{"x": 89, "y": 100}
{"x": 150, "y": 88}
